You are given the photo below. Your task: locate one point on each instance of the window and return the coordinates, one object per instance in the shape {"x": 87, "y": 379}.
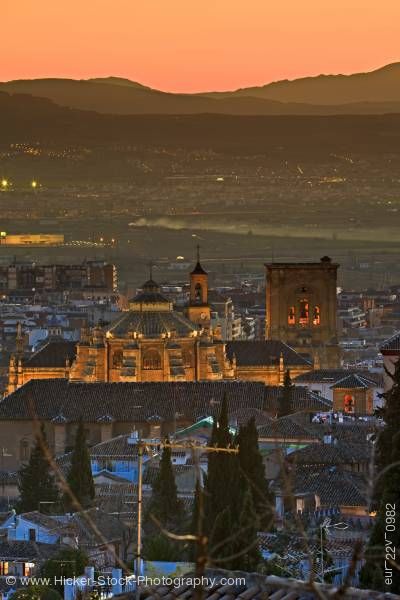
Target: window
{"x": 187, "y": 358}
{"x": 304, "y": 312}
{"x": 28, "y": 569}
{"x": 32, "y": 535}
{"x": 198, "y": 296}
{"x": 348, "y": 403}
{"x": 4, "y": 569}
{"x": 24, "y": 450}
{"x": 151, "y": 360}
{"x": 117, "y": 359}
{"x": 291, "y": 316}
{"x": 155, "y": 431}
{"x": 316, "y": 316}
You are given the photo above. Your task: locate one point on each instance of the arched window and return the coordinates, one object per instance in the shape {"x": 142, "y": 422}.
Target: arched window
{"x": 117, "y": 359}
{"x": 198, "y": 295}
{"x": 304, "y": 312}
{"x": 291, "y": 316}
{"x": 151, "y": 360}
{"x": 316, "y": 316}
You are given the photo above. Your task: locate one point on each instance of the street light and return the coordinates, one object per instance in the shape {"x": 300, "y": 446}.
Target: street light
{"x": 4, "y": 183}
{"x": 325, "y": 526}
{"x": 34, "y": 184}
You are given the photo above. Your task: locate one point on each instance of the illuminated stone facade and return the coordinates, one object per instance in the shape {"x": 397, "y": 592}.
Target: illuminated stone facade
{"x": 152, "y": 342}
{"x": 301, "y": 308}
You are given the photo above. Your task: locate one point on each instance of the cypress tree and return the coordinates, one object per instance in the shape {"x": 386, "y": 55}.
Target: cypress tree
{"x": 252, "y": 472}
{"x": 36, "y": 480}
{"x": 221, "y": 545}
{"x": 247, "y": 549}
{"x": 285, "y": 400}
{"x": 80, "y": 478}
{"x": 385, "y": 536}
{"x": 221, "y": 483}
{"x": 391, "y": 416}
{"x": 373, "y": 574}
{"x": 165, "y": 505}
{"x": 222, "y": 491}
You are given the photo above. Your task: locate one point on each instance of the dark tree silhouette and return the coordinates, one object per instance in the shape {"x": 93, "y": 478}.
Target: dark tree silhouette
{"x": 165, "y": 506}
{"x": 285, "y": 402}
{"x": 37, "y": 486}
{"x": 387, "y": 494}
{"x": 252, "y": 472}
{"x": 80, "y": 478}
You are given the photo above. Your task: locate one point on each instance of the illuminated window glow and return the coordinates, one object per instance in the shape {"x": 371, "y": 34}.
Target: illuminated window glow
{"x": 316, "y": 316}
{"x": 304, "y": 312}
{"x": 348, "y": 403}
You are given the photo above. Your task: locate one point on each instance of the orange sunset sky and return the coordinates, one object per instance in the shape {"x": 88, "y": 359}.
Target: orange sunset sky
{"x": 196, "y": 45}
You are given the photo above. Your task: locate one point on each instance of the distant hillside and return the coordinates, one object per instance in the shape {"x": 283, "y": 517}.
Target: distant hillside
{"x": 381, "y": 85}
{"x": 369, "y": 93}
{"x": 24, "y": 118}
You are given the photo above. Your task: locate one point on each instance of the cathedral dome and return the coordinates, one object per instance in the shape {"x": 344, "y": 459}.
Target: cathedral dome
{"x": 151, "y": 315}
{"x": 149, "y": 298}
{"x": 152, "y": 324}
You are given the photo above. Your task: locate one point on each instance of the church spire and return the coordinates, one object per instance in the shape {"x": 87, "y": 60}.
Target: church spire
{"x": 198, "y": 269}
{"x": 198, "y": 310}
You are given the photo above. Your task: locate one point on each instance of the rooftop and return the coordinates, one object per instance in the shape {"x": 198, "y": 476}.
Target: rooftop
{"x": 152, "y": 323}
{"x": 393, "y": 343}
{"x": 264, "y": 353}
{"x": 130, "y": 402}
{"x": 53, "y": 354}
{"x": 252, "y": 586}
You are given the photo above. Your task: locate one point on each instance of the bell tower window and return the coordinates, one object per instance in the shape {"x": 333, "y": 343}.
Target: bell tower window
{"x": 316, "y": 316}
{"x": 291, "y": 316}
{"x": 304, "y": 312}
{"x": 198, "y": 293}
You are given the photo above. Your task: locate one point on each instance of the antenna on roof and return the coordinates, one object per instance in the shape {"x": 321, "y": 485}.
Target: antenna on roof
{"x": 151, "y": 269}
{"x": 198, "y": 252}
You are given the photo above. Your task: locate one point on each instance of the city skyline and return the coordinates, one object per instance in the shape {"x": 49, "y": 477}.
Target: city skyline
{"x": 193, "y": 47}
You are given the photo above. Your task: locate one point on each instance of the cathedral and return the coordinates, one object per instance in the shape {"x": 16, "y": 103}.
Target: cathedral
{"x": 153, "y": 342}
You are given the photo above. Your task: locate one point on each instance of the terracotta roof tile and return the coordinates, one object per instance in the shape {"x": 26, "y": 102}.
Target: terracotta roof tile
{"x": 128, "y": 402}
{"x": 257, "y": 587}
{"x": 52, "y": 354}
{"x": 265, "y": 353}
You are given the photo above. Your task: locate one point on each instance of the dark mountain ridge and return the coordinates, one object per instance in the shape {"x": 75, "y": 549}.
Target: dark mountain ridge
{"x": 377, "y": 92}
{"x": 24, "y": 118}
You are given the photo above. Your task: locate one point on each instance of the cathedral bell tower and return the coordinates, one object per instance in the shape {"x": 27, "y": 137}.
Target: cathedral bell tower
{"x": 198, "y": 310}
{"x": 301, "y": 308}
